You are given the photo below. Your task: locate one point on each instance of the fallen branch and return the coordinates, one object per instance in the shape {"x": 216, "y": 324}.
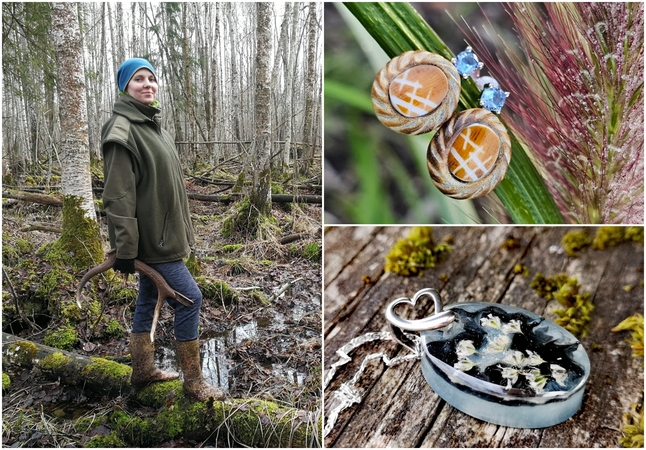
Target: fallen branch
{"x": 33, "y": 197}
{"x": 242, "y": 422}
{"x": 41, "y": 227}
{"x": 292, "y": 238}
{"x": 283, "y": 289}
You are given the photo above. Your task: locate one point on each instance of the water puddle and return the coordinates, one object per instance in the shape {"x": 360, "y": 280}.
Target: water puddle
{"x": 215, "y": 351}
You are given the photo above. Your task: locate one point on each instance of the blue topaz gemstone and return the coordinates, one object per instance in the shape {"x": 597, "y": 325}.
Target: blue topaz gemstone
{"x": 493, "y": 99}
{"x": 467, "y": 63}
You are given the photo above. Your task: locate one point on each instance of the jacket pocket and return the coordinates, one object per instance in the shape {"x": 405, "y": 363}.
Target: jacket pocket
{"x": 163, "y": 236}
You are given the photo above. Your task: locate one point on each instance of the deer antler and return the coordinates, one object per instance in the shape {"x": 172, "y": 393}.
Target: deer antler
{"x": 163, "y": 289}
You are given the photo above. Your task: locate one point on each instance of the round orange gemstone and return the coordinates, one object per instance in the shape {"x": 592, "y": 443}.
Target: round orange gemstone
{"x": 418, "y": 90}
{"x": 473, "y": 152}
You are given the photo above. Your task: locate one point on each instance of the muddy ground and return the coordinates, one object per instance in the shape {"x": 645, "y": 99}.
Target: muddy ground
{"x": 249, "y": 348}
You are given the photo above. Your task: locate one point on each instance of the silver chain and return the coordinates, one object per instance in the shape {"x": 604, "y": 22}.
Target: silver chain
{"x": 347, "y": 395}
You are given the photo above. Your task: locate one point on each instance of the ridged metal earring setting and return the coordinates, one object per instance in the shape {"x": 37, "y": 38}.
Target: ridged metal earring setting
{"x": 417, "y": 92}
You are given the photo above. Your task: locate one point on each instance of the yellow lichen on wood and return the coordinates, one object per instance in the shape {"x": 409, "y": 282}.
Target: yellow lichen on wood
{"x": 634, "y": 324}
{"x": 576, "y": 241}
{"x": 410, "y": 256}
{"x": 633, "y": 431}
{"x": 566, "y": 290}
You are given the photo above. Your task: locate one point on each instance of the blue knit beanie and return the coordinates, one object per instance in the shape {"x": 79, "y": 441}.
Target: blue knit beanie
{"x": 128, "y": 69}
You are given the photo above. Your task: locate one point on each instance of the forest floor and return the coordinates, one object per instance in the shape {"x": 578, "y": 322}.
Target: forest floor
{"x": 250, "y": 348}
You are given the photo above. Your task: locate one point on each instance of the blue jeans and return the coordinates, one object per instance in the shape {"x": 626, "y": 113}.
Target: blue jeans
{"x": 180, "y": 279}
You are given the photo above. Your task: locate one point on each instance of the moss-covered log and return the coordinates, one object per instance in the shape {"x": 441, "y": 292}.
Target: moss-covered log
{"x": 98, "y": 375}
{"x": 235, "y": 422}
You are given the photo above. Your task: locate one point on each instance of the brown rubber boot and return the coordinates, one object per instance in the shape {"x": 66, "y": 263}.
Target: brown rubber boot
{"x": 188, "y": 357}
{"x": 143, "y": 367}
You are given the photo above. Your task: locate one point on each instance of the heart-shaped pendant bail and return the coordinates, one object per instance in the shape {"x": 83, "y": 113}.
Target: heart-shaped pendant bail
{"x": 398, "y": 325}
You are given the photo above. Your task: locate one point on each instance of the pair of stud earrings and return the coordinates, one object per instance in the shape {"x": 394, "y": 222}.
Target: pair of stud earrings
{"x": 417, "y": 92}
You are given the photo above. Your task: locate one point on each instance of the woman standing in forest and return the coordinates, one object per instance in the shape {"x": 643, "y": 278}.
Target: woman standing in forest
{"x": 148, "y": 219}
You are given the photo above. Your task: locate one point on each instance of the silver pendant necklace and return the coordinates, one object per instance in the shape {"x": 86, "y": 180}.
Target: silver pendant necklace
{"x": 498, "y": 363}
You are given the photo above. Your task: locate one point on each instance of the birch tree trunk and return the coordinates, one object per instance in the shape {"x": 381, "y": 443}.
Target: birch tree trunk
{"x": 261, "y": 195}
{"x": 75, "y": 151}
{"x": 310, "y": 90}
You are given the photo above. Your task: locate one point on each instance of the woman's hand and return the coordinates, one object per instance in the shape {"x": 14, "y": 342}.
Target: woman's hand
{"x": 125, "y": 266}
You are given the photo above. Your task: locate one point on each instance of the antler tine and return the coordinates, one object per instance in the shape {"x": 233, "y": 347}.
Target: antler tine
{"x": 110, "y": 259}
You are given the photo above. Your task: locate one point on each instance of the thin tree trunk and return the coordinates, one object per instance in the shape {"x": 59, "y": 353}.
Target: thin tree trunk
{"x": 75, "y": 152}
{"x": 311, "y": 88}
{"x": 261, "y": 196}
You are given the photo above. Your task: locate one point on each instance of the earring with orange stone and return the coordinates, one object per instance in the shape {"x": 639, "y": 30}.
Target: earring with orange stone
{"x": 417, "y": 92}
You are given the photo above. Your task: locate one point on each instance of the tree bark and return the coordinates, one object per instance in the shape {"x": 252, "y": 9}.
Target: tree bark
{"x": 310, "y": 91}
{"x": 75, "y": 152}
{"x": 261, "y": 195}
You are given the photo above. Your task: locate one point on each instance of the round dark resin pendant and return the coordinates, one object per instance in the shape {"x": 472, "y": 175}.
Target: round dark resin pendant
{"x": 505, "y": 365}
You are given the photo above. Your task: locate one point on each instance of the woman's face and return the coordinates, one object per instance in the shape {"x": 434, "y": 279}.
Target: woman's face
{"x": 142, "y": 86}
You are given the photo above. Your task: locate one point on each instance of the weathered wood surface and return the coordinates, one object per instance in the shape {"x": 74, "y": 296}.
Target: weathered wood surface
{"x": 399, "y": 409}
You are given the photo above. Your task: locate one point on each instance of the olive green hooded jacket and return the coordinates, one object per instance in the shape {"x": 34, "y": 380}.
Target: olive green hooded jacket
{"x": 144, "y": 196}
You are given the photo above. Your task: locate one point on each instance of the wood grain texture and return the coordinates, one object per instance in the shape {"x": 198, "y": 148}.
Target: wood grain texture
{"x": 399, "y": 409}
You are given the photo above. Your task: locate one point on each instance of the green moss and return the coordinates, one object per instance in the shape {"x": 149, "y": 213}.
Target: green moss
{"x": 277, "y": 188}
{"x": 124, "y": 294}
{"x": 312, "y": 252}
{"x": 112, "y": 440}
{"x": 634, "y": 324}
{"x": 608, "y": 237}
{"x": 633, "y": 431}
{"x": 21, "y": 353}
{"x": 260, "y": 297}
{"x": 6, "y": 381}
{"x": 239, "y": 185}
{"x": 102, "y": 369}
{"x": 154, "y": 395}
{"x": 566, "y": 290}
{"x": 70, "y": 311}
{"x": 417, "y": 252}
{"x": 635, "y": 234}
{"x": 54, "y": 362}
{"x": 193, "y": 265}
{"x": 243, "y": 420}
{"x": 246, "y": 221}
{"x": 64, "y": 337}
{"x": 114, "y": 329}
{"x": 51, "y": 282}
{"x": 217, "y": 291}
{"x": 169, "y": 423}
{"x": 232, "y": 248}
{"x": 80, "y": 243}
{"x": 94, "y": 308}
{"x": 521, "y": 269}
{"x": 576, "y": 241}
{"x": 243, "y": 221}
{"x": 266, "y": 262}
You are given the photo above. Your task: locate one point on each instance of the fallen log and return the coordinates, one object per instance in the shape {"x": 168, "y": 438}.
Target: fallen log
{"x": 33, "y": 197}
{"x": 226, "y": 199}
{"x": 239, "y": 422}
